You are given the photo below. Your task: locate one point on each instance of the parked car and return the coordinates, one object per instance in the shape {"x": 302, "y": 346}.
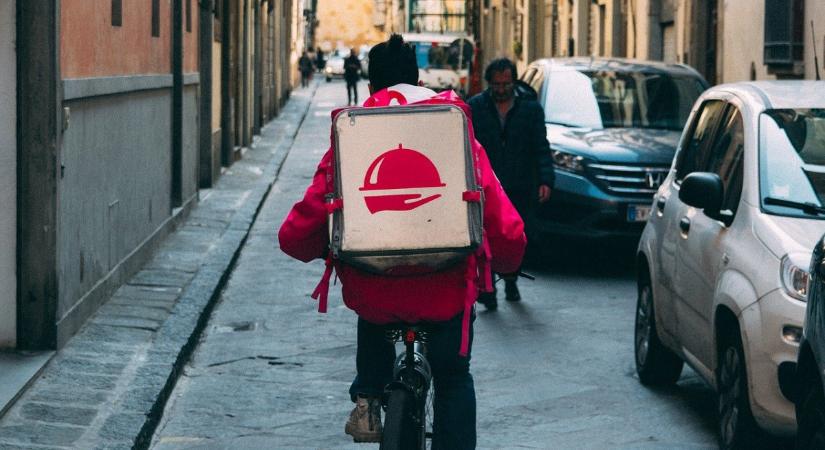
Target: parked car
{"x": 810, "y": 401}
{"x": 723, "y": 261}
{"x": 334, "y": 67}
{"x": 613, "y": 125}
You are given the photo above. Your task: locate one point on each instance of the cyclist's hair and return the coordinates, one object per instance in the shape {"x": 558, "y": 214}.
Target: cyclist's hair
{"x": 500, "y": 65}
{"x": 392, "y": 62}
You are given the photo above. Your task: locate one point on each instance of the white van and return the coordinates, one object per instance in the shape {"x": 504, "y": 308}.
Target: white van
{"x": 444, "y": 60}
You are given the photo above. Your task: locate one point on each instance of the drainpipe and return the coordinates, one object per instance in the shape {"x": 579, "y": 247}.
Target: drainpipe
{"x": 177, "y": 101}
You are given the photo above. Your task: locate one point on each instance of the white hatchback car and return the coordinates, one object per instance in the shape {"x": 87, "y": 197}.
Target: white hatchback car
{"x": 723, "y": 260}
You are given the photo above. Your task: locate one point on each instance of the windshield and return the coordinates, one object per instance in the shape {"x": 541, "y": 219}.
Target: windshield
{"x": 792, "y": 158}
{"x": 611, "y": 99}
{"x": 442, "y": 55}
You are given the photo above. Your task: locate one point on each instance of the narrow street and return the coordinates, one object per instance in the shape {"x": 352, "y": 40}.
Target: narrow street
{"x": 555, "y": 371}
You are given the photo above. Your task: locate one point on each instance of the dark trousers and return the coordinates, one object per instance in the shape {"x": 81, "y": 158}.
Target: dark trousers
{"x": 305, "y": 76}
{"x": 352, "y": 92}
{"x": 525, "y": 203}
{"x": 454, "y": 404}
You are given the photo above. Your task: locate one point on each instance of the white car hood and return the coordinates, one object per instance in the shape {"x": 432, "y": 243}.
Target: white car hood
{"x": 783, "y": 235}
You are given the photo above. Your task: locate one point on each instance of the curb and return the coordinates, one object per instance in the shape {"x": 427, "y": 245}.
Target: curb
{"x": 194, "y": 308}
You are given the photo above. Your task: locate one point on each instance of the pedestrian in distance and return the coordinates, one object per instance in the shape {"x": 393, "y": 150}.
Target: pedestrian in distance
{"x": 509, "y": 124}
{"x": 352, "y": 73}
{"x": 443, "y": 298}
{"x": 305, "y": 67}
{"x": 320, "y": 60}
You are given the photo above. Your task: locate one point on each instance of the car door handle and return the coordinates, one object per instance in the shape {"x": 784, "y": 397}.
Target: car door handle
{"x": 660, "y": 204}
{"x": 684, "y": 225}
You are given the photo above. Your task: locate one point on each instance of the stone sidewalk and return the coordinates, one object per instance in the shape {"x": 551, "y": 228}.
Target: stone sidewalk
{"x": 107, "y": 387}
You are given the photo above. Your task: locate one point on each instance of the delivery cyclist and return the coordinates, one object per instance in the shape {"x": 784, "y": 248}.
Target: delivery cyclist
{"x": 444, "y": 298}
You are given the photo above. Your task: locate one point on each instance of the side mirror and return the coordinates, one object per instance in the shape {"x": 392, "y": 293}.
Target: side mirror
{"x": 702, "y": 190}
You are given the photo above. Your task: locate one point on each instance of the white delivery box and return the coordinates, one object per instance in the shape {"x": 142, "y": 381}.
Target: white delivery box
{"x": 406, "y": 198}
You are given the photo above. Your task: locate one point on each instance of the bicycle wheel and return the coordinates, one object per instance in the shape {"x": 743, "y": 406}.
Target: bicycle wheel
{"x": 428, "y": 415}
{"x": 400, "y": 430}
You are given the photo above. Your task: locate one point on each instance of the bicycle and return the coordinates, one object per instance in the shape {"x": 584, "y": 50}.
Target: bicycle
{"x": 408, "y": 398}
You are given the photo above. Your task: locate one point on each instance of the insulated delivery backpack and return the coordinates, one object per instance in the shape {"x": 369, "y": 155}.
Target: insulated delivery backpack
{"x": 406, "y": 199}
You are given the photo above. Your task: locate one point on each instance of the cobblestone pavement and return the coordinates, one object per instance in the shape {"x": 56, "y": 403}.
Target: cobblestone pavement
{"x": 101, "y": 389}
{"x": 555, "y": 371}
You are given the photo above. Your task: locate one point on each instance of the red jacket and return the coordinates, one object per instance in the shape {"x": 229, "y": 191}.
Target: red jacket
{"x": 431, "y": 297}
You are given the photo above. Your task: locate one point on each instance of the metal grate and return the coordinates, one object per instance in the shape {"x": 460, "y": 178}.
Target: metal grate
{"x": 629, "y": 180}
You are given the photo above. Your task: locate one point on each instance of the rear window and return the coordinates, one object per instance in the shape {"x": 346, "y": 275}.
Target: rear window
{"x": 442, "y": 55}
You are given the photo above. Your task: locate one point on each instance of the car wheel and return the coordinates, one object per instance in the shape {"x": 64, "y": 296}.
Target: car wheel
{"x": 737, "y": 427}
{"x": 810, "y": 417}
{"x": 655, "y": 363}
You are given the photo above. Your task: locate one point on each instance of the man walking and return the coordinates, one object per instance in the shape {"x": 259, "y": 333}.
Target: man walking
{"x": 352, "y": 73}
{"x": 511, "y": 129}
{"x": 305, "y": 67}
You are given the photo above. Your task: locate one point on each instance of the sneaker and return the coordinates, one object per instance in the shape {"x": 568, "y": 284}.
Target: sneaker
{"x": 511, "y": 292}
{"x": 364, "y": 424}
{"x": 488, "y": 299}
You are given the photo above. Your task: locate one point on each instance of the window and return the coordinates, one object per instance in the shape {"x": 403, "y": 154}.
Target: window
{"x": 537, "y": 81}
{"x": 189, "y": 15}
{"x": 117, "y": 13}
{"x": 528, "y": 76}
{"x": 620, "y": 99}
{"x": 792, "y": 159}
{"x": 156, "y": 18}
{"x": 726, "y": 158}
{"x": 696, "y": 149}
{"x": 784, "y": 31}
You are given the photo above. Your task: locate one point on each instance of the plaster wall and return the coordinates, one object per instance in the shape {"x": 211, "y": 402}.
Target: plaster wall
{"x": 91, "y": 47}
{"x": 115, "y": 188}
{"x": 8, "y": 176}
{"x": 743, "y": 37}
{"x": 814, "y": 10}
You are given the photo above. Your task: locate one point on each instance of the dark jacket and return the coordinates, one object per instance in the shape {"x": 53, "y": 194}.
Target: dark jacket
{"x": 352, "y": 68}
{"x": 519, "y": 153}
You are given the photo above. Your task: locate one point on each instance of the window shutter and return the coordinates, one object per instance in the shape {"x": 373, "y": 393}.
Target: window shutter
{"x": 784, "y": 30}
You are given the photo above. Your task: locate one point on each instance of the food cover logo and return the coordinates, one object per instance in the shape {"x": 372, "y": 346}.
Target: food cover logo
{"x": 400, "y": 169}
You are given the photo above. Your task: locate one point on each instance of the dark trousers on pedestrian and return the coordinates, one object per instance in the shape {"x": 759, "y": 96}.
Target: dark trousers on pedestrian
{"x": 454, "y": 403}
{"x": 352, "y": 92}
{"x": 305, "y": 76}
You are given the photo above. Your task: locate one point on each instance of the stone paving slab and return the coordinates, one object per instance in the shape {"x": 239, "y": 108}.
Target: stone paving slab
{"x": 106, "y": 387}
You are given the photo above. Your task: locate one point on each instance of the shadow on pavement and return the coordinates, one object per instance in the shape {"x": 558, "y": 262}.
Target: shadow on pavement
{"x": 698, "y": 398}
{"x": 614, "y": 258}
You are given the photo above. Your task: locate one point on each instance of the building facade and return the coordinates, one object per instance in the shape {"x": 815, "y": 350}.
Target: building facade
{"x": 113, "y": 114}
{"x": 726, "y": 41}
{"x": 350, "y": 23}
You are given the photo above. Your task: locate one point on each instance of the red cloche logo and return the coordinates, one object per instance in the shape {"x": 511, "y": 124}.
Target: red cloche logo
{"x": 400, "y": 168}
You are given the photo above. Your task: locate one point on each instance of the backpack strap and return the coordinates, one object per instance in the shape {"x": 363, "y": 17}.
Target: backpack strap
{"x": 471, "y": 196}
{"x": 321, "y": 292}
{"x": 470, "y": 277}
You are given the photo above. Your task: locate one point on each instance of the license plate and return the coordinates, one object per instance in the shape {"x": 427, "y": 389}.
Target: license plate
{"x": 638, "y": 213}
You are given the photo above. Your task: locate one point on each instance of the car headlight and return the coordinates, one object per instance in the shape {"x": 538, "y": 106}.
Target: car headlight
{"x": 794, "y": 277}
{"x": 568, "y": 161}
